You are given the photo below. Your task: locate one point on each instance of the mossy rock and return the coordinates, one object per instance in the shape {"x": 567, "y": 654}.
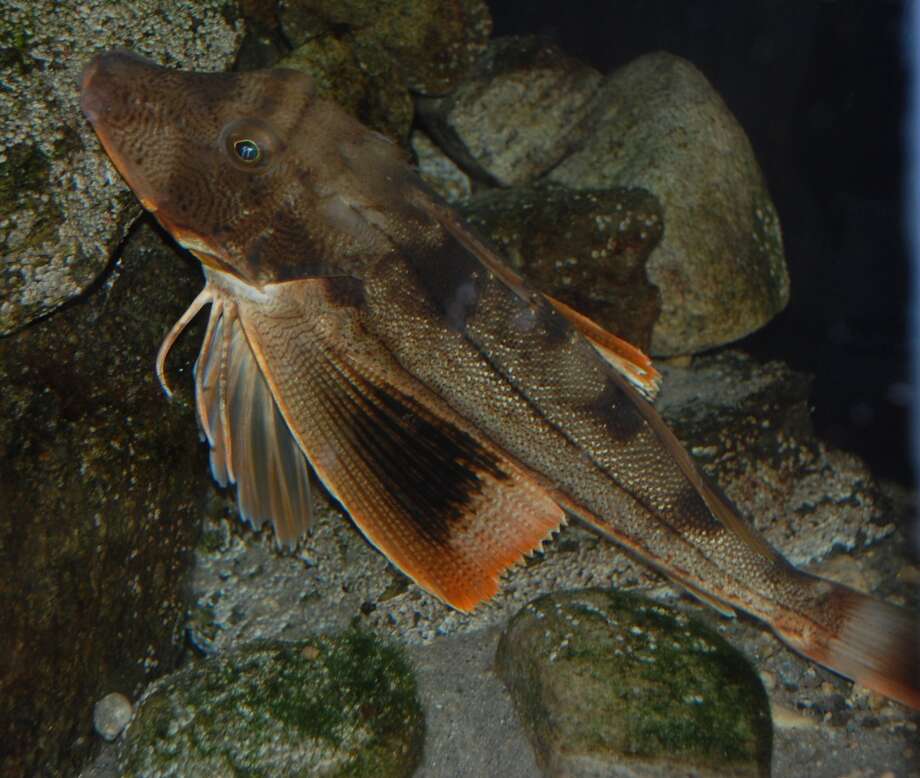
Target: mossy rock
{"x": 102, "y": 486}
{"x": 61, "y": 217}
{"x": 427, "y": 45}
{"x": 328, "y": 706}
{"x": 604, "y": 679}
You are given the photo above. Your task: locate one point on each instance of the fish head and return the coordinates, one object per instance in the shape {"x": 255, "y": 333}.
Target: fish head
{"x": 237, "y": 167}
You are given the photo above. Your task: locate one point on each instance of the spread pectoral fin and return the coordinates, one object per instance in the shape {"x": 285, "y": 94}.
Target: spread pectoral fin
{"x": 444, "y": 504}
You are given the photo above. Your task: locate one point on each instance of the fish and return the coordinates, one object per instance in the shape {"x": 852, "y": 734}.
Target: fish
{"x": 359, "y": 329}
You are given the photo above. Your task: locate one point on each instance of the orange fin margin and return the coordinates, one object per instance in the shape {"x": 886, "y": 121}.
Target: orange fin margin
{"x": 626, "y": 359}
{"x": 428, "y": 489}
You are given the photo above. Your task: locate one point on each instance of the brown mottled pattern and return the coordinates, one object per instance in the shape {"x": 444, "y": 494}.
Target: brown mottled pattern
{"x": 504, "y": 410}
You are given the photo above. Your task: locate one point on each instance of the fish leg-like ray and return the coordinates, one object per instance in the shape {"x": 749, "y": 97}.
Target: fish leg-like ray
{"x": 250, "y": 442}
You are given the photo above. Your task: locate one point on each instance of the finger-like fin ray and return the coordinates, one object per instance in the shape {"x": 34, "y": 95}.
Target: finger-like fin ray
{"x": 251, "y": 444}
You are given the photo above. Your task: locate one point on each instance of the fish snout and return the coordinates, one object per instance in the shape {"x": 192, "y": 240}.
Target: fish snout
{"x": 106, "y": 78}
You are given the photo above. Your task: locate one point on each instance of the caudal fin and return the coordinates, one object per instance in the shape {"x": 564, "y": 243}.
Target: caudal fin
{"x": 862, "y": 638}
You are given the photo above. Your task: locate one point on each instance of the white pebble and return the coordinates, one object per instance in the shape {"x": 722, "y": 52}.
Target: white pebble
{"x": 112, "y": 714}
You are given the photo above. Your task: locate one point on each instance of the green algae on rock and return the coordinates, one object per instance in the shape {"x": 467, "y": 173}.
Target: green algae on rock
{"x": 606, "y": 681}
{"x": 586, "y": 248}
{"x": 327, "y": 706}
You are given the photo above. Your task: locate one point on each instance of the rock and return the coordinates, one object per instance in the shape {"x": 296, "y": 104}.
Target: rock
{"x": 102, "y": 486}
{"x": 588, "y": 249}
{"x": 427, "y": 45}
{"x": 615, "y": 685}
{"x": 749, "y": 426}
{"x": 62, "y": 206}
{"x": 438, "y": 170}
{"x": 658, "y": 124}
{"x": 434, "y": 41}
{"x": 323, "y": 707}
{"x": 111, "y": 715}
{"x": 515, "y": 116}
{"x": 368, "y": 55}
{"x": 373, "y": 95}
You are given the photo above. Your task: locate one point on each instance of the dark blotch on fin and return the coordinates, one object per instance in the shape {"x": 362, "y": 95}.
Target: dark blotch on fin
{"x": 430, "y": 466}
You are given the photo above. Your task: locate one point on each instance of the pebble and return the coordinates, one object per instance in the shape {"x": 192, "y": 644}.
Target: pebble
{"x": 112, "y": 714}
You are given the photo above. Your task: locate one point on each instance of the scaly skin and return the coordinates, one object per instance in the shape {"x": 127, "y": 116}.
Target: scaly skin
{"x": 357, "y": 324}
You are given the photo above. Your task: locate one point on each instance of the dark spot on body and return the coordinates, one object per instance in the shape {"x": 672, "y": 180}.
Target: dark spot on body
{"x": 616, "y": 409}
{"x": 691, "y": 512}
{"x": 344, "y": 291}
{"x": 451, "y": 277}
{"x": 555, "y": 330}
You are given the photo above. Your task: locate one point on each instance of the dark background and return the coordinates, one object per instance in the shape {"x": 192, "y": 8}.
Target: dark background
{"x": 820, "y": 88}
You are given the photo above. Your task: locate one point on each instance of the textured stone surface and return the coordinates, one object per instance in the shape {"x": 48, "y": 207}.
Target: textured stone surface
{"x": 246, "y": 590}
{"x": 101, "y": 486}
{"x": 374, "y": 95}
{"x": 342, "y": 706}
{"x": 428, "y": 45}
{"x": 588, "y": 249}
{"x": 438, "y": 170}
{"x": 749, "y": 426}
{"x": 515, "y": 116}
{"x": 720, "y": 268}
{"x": 609, "y": 684}
{"x": 62, "y": 206}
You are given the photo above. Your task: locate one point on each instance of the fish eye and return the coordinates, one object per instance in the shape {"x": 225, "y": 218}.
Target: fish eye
{"x": 250, "y": 144}
{"x": 247, "y": 150}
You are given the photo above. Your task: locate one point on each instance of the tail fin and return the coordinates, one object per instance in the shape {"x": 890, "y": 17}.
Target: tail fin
{"x": 860, "y": 637}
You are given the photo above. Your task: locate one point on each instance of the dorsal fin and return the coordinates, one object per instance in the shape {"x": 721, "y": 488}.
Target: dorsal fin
{"x": 630, "y": 362}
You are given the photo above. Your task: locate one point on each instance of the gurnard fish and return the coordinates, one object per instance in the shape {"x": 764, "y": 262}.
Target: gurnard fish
{"x": 357, "y": 326}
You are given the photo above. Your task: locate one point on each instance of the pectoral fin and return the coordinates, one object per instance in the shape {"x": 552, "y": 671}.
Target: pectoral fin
{"x": 444, "y": 504}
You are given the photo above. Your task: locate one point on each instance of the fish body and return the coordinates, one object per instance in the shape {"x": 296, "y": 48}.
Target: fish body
{"x": 359, "y": 327}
